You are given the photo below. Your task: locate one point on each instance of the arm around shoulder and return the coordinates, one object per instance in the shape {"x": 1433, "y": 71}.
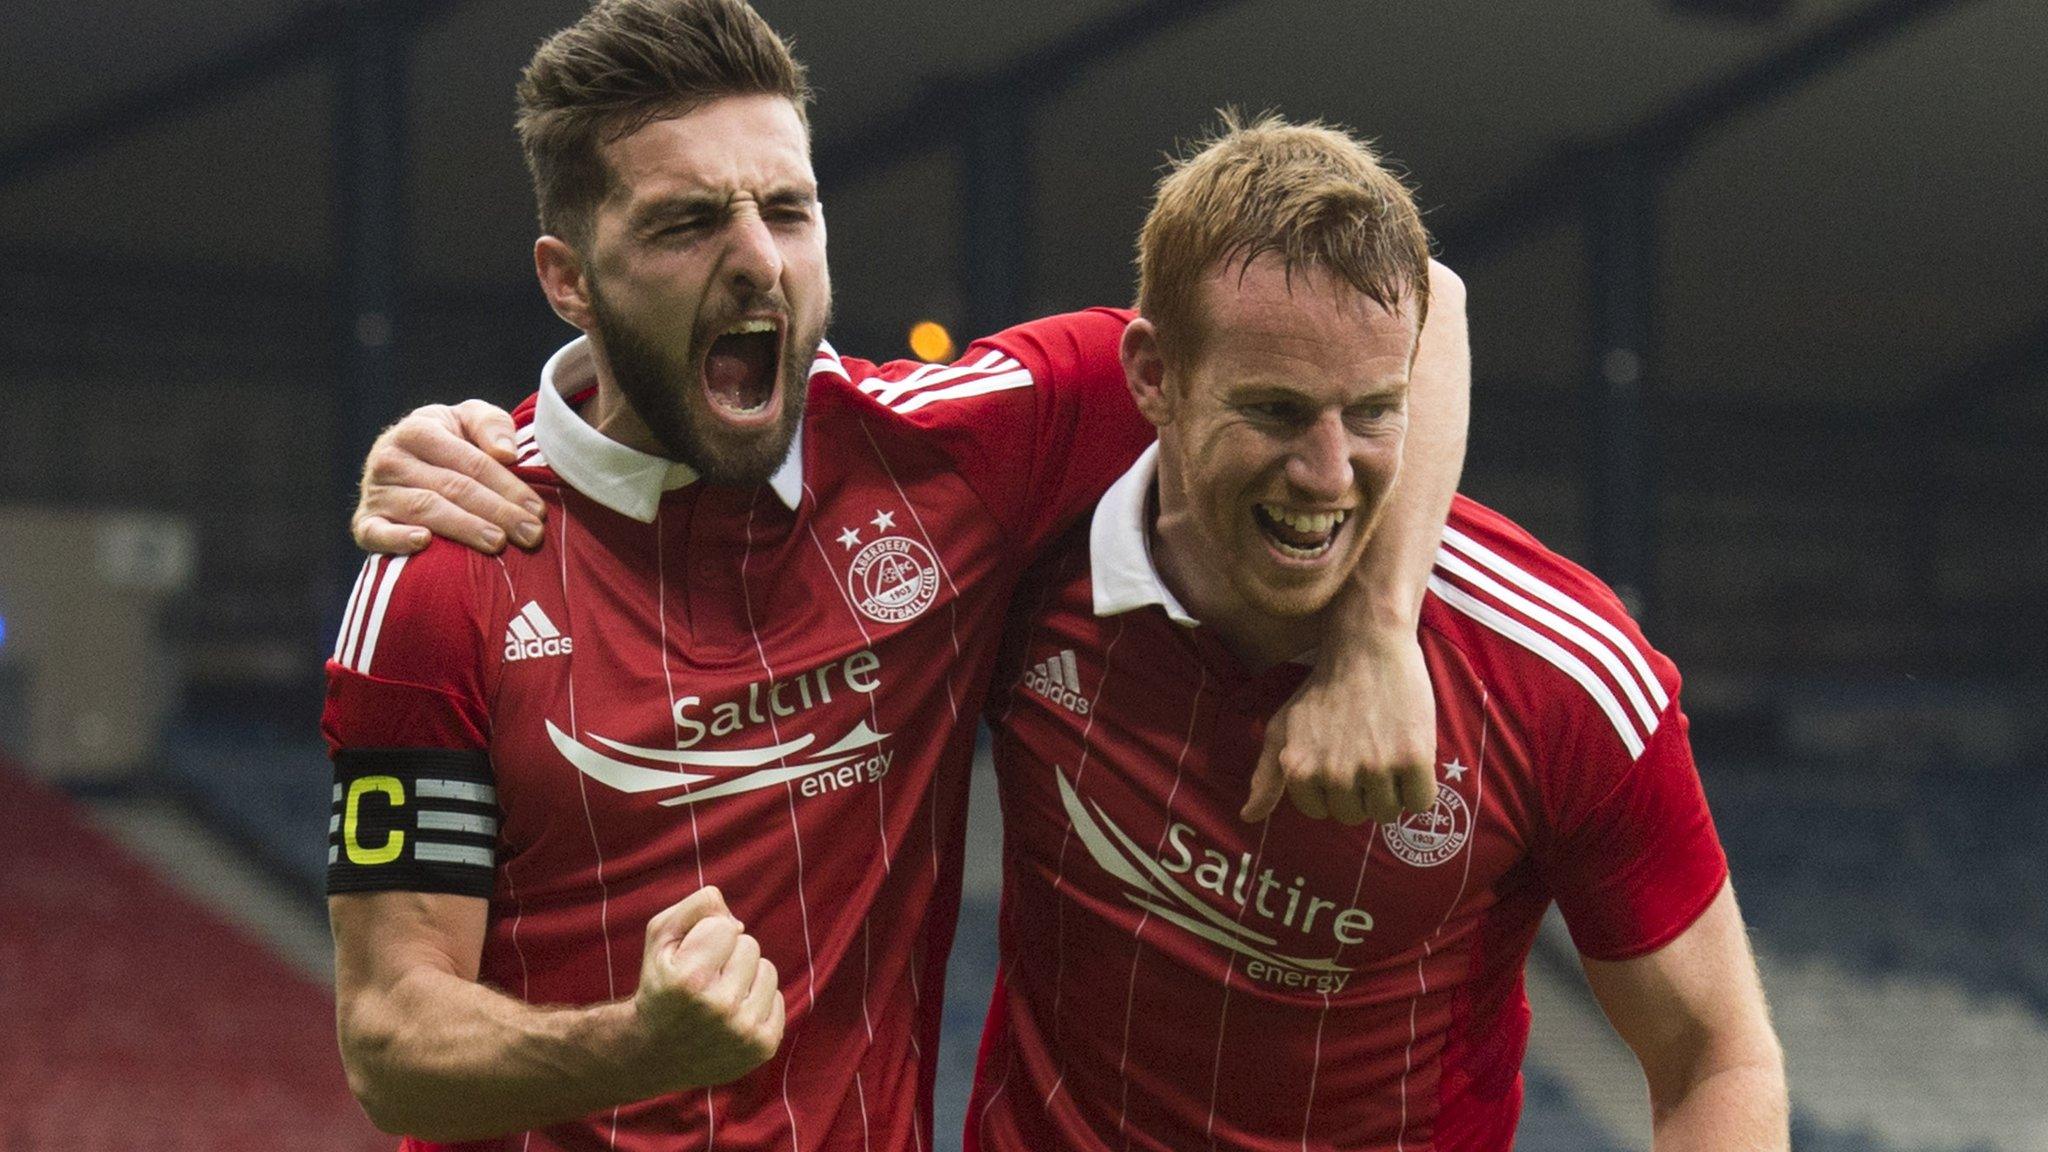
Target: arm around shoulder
{"x": 1398, "y": 559}
{"x": 1359, "y": 740}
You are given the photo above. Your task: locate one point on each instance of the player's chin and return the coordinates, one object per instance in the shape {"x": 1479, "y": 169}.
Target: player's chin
{"x": 1288, "y": 584}
{"x": 1289, "y": 599}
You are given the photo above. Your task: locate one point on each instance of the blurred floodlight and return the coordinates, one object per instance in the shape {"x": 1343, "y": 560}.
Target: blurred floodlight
{"x": 930, "y": 342}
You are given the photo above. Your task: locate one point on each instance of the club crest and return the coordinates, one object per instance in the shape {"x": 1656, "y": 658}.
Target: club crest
{"x": 1427, "y": 839}
{"x": 893, "y": 579}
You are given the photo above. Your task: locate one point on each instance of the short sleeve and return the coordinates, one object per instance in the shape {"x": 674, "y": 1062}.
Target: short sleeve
{"x": 1036, "y": 419}
{"x": 414, "y": 807}
{"x": 1620, "y": 829}
{"x": 408, "y": 668}
{"x": 1086, "y": 431}
{"x": 1632, "y": 868}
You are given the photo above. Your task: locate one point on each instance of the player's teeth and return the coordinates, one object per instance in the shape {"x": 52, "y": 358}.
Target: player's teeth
{"x": 748, "y": 327}
{"x": 1301, "y": 553}
{"x": 1312, "y": 523}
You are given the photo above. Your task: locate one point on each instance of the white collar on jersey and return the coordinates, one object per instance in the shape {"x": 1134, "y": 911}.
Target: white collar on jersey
{"x": 1120, "y": 547}
{"x": 625, "y": 480}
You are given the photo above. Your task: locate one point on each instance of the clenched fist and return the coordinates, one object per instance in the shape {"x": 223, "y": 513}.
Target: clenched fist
{"x": 708, "y": 1002}
{"x": 1355, "y": 744}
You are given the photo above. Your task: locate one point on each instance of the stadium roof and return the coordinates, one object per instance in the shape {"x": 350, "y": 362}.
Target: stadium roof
{"x": 1869, "y": 236}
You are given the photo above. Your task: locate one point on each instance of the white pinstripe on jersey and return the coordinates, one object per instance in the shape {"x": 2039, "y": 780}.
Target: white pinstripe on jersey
{"x": 882, "y": 832}
{"x": 952, "y": 703}
{"x": 1138, "y": 934}
{"x": 604, "y": 891}
{"x": 1059, "y": 881}
{"x": 796, "y": 834}
{"x": 1223, "y": 1015}
{"x": 1316, "y": 1068}
{"x": 505, "y": 872}
{"x": 668, "y": 679}
{"x": 1464, "y": 880}
{"x": 1007, "y": 960}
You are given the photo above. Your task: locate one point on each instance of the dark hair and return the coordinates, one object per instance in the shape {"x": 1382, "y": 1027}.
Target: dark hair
{"x": 625, "y": 64}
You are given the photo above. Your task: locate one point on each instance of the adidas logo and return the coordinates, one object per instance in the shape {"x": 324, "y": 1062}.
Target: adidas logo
{"x": 531, "y": 635}
{"x": 1058, "y": 680}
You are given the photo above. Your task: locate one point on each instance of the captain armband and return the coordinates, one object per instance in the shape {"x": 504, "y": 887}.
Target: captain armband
{"x": 412, "y": 820}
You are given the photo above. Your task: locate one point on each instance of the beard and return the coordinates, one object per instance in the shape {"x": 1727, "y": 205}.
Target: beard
{"x": 668, "y": 398}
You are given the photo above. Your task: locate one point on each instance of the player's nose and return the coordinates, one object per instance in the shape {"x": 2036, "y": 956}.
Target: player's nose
{"x": 1320, "y": 465}
{"x": 753, "y": 261}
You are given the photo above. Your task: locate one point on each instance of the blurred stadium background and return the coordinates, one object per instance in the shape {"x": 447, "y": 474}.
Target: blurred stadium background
{"x": 1761, "y": 330}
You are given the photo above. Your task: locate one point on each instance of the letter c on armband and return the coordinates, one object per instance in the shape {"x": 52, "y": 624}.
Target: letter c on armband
{"x": 394, "y": 841}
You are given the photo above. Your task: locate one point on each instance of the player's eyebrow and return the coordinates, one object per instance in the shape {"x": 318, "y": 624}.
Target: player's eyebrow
{"x": 1384, "y": 390}
{"x": 1264, "y": 391}
{"x": 685, "y": 204}
{"x": 1260, "y": 391}
{"x": 792, "y": 195}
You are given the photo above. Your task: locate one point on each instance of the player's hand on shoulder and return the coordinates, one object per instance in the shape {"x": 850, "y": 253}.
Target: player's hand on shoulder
{"x": 710, "y": 1003}
{"x": 445, "y": 471}
{"x": 1355, "y": 744}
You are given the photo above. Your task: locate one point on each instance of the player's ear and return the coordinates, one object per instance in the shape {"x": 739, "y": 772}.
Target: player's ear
{"x": 1145, "y": 371}
{"x": 562, "y": 278}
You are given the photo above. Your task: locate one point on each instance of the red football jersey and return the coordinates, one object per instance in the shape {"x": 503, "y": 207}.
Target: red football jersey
{"x": 1176, "y": 979}
{"x": 772, "y": 690}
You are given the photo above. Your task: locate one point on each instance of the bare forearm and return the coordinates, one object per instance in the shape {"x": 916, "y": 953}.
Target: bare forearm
{"x": 430, "y": 1052}
{"x": 1693, "y": 1012}
{"x": 444, "y": 1058}
{"x": 1390, "y": 581}
{"x": 1741, "y": 1107}
{"x": 1358, "y": 741}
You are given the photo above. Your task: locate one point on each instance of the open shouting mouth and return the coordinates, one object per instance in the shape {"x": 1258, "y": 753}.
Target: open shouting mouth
{"x": 742, "y": 372}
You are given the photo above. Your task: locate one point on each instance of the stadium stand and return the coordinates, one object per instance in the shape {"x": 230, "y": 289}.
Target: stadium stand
{"x": 1896, "y": 898}
{"x": 263, "y": 786}
{"x": 131, "y": 1011}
